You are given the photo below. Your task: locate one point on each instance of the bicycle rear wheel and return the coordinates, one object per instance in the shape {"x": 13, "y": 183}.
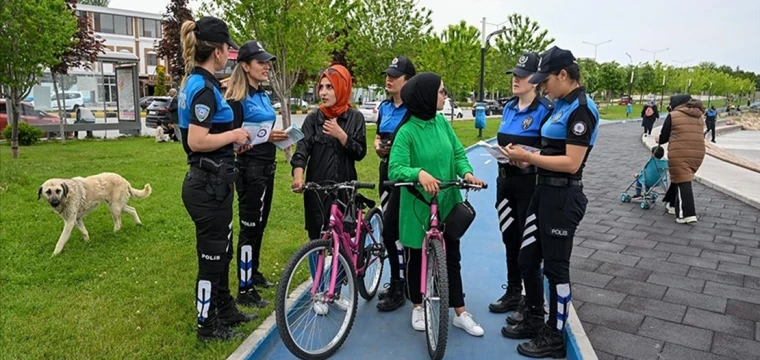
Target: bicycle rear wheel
{"x": 371, "y": 255}
{"x": 436, "y": 301}
{"x": 313, "y": 326}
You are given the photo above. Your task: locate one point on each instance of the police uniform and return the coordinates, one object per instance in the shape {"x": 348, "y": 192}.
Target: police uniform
{"x": 557, "y": 207}
{"x": 207, "y": 192}
{"x": 255, "y": 183}
{"x": 389, "y": 118}
{"x": 710, "y": 118}
{"x": 515, "y": 186}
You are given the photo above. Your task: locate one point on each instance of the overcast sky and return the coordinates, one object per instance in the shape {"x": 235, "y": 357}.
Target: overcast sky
{"x": 726, "y": 32}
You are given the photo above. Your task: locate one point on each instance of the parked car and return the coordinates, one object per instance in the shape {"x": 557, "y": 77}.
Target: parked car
{"x": 293, "y": 101}
{"x": 625, "y": 100}
{"x": 70, "y": 100}
{"x": 493, "y": 107}
{"x": 158, "y": 111}
{"x": 447, "y": 109}
{"x": 31, "y": 116}
{"x": 370, "y": 110}
{"x": 145, "y": 101}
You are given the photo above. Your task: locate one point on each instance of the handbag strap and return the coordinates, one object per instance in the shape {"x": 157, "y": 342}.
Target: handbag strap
{"x": 416, "y": 193}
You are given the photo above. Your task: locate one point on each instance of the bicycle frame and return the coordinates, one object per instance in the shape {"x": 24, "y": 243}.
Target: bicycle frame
{"x": 340, "y": 238}
{"x": 431, "y": 235}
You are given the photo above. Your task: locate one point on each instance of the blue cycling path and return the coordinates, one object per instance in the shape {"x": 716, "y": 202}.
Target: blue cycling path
{"x": 377, "y": 335}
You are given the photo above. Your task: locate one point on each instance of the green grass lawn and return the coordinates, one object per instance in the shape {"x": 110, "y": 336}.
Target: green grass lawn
{"x": 617, "y": 112}
{"x": 128, "y": 294}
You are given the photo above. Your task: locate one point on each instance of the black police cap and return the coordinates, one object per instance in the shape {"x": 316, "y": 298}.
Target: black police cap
{"x": 551, "y": 61}
{"x": 209, "y": 28}
{"x": 526, "y": 65}
{"x": 400, "y": 66}
{"x": 253, "y": 50}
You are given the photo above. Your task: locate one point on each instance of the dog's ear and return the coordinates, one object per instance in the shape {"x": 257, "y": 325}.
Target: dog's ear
{"x": 39, "y": 193}
{"x": 65, "y": 189}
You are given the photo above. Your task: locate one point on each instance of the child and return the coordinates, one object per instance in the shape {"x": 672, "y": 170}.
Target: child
{"x": 628, "y": 110}
{"x": 657, "y": 152}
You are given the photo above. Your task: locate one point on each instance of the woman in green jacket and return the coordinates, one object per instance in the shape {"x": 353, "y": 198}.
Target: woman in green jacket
{"x": 426, "y": 150}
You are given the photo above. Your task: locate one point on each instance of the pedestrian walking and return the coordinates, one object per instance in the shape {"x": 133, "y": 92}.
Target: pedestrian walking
{"x": 711, "y": 117}
{"x": 649, "y": 115}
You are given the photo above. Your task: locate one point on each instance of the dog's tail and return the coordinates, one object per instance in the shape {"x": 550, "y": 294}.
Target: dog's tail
{"x": 140, "y": 194}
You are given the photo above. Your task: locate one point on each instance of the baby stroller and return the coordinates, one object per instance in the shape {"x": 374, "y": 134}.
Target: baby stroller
{"x": 654, "y": 175}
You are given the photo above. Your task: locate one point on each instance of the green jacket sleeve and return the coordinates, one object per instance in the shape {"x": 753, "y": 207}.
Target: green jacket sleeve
{"x": 399, "y": 166}
{"x": 461, "y": 164}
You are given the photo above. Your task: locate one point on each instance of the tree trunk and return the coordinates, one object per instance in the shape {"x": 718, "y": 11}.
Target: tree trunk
{"x": 14, "y": 117}
{"x": 60, "y": 112}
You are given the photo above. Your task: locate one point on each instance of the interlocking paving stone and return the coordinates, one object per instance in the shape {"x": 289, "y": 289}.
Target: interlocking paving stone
{"x": 655, "y": 308}
{"x": 738, "y": 241}
{"x": 628, "y": 260}
{"x": 736, "y": 347}
{"x": 637, "y": 288}
{"x": 624, "y": 271}
{"x": 646, "y": 244}
{"x": 690, "y": 336}
{"x": 678, "y": 352}
{"x": 625, "y": 344}
{"x": 589, "y": 278}
{"x": 732, "y": 292}
{"x": 721, "y": 323}
{"x": 678, "y": 249}
{"x": 752, "y": 282}
{"x": 646, "y": 253}
{"x": 740, "y": 269}
{"x": 584, "y": 263}
{"x": 710, "y": 245}
{"x": 693, "y": 299}
{"x": 693, "y": 261}
{"x": 675, "y": 281}
{"x": 723, "y": 256}
{"x": 742, "y": 250}
{"x": 716, "y": 276}
{"x": 580, "y": 251}
{"x": 611, "y": 318}
{"x": 603, "y": 245}
{"x": 663, "y": 266}
{"x": 594, "y": 295}
{"x": 743, "y": 310}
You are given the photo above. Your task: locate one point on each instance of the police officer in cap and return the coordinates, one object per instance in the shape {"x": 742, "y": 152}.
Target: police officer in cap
{"x": 390, "y": 114}
{"x": 558, "y": 204}
{"x": 205, "y": 120}
{"x": 520, "y": 124}
{"x": 252, "y": 107}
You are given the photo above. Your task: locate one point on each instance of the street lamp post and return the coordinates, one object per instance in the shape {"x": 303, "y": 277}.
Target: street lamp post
{"x": 709, "y": 94}
{"x": 654, "y": 53}
{"x": 630, "y": 83}
{"x": 483, "y": 44}
{"x": 596, "y": 45}
{"x": 662, "y": 94}
{"x": 688, "y": 87}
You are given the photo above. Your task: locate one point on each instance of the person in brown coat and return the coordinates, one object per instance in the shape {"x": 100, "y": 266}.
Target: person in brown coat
{"x": 683, "y": 129}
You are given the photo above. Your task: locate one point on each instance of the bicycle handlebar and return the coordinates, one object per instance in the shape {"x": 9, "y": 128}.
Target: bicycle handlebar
{"x": 462, "y": 184}
{"x": 344, "y": 185}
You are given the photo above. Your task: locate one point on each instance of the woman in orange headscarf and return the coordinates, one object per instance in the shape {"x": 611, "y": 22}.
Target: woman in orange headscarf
{"x": 334, "y": 140}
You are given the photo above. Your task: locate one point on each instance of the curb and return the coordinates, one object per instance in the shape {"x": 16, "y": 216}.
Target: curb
{"x": 715, "y": 186}
{"x": 255, "y": 345}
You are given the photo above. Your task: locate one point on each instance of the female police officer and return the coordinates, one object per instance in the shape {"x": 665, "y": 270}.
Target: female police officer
{"x": 256, "y": 165}
{"x": 558, "y": 204}
{"x": 521, "y": 123}
{"x": 389, "y": 117}
{"x": 205, "y": 120}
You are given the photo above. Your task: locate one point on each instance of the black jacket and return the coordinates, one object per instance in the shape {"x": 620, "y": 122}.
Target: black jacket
{"x": 173, "y": 115}
{"x": 322, "y": 156}
{"x": 648, "y": 121}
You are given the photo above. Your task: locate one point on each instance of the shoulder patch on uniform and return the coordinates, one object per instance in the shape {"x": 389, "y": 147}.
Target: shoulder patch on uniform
{"x": 579, "y": 128}
{"x": 201, "y": 112}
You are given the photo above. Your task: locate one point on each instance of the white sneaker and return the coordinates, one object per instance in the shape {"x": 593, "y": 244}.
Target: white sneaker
{"x": 342, "y": 303}
{"x": 687, "y": 220}
{"x": 468, "y": 324}
{"x": 418, "y": 318}
{"x": 671, "y": 210}
{"x": 320, "y": 308}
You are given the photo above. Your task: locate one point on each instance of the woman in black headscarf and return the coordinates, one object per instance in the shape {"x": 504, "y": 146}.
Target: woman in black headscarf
{"x": 425, "y": 149}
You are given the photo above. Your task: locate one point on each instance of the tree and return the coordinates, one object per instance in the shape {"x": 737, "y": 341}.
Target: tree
{"x": 611, "y": 79}
{"x": 295, "y": 31}
{"x": 644, "y": 80}
{"x": 160, "y": 89}
{"x": 522, "y": 34}
{"x": 378, "y": 31}
{"x": 459, "y": 52}
{"x": 589, "y": 74}
{"x": 84, "y": 50}
{"x": 170, "y": 46}
{"x": 34, "y": 35}
{"x": 102, "y": 3}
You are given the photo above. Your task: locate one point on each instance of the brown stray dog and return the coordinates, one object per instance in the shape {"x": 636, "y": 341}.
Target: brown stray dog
{"x": 74, "y": 198}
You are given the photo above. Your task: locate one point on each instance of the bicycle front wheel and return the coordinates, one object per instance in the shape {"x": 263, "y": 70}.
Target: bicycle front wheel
{"x": 312, "y": 325}
{"x": 371, "y": 258}
{"x": 436, "y": 301}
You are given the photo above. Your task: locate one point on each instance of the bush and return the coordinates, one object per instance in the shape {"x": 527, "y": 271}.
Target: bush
{"x": 27, "y": 134}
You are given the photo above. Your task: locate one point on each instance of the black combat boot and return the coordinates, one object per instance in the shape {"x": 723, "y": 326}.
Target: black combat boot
{"x": 549, "y": 343}
{"x": 215, "y": 330}
{"x": 230, "y": 316}
{"x": 510, "y": 301}
{"x": 528, "y": 327}
{"x": 395, "y": 297}
{"x": 251, "y": 298}
{"x": 260, "y": 281}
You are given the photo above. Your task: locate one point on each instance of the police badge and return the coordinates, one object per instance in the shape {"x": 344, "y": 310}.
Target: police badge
{"x": 556, "y": 117}
{"x": 527, "y": 122}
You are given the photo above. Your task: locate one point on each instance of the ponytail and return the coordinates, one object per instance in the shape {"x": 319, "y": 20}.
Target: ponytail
{"x": 187, "y": 37}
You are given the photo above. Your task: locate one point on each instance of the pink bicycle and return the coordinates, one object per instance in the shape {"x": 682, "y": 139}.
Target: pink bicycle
{"x": 316, "y": 297}
{"x": 434, "y": 278}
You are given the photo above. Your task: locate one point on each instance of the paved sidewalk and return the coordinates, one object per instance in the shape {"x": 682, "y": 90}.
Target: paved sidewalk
{"x": 648, "y": 288}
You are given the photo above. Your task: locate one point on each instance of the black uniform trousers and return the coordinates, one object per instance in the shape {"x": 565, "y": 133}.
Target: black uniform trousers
{"x": 208, "y": 200}
{"x": 389, "y": 203}
{"x": 255, "y": 186}
{"x": 513, "y": 195}
{"x": 710, "y": 127}
{"x": 413, "y": 259}
{"x": 681, "y": 197}
{"x": 553, "y": 215}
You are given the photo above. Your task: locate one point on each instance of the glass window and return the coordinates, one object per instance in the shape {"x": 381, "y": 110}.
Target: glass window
{"x": 122, "y": 25}
{"x": 150, "y": 28}
{"x": 104, "y": 23}
{"x": 152, "y": 59}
